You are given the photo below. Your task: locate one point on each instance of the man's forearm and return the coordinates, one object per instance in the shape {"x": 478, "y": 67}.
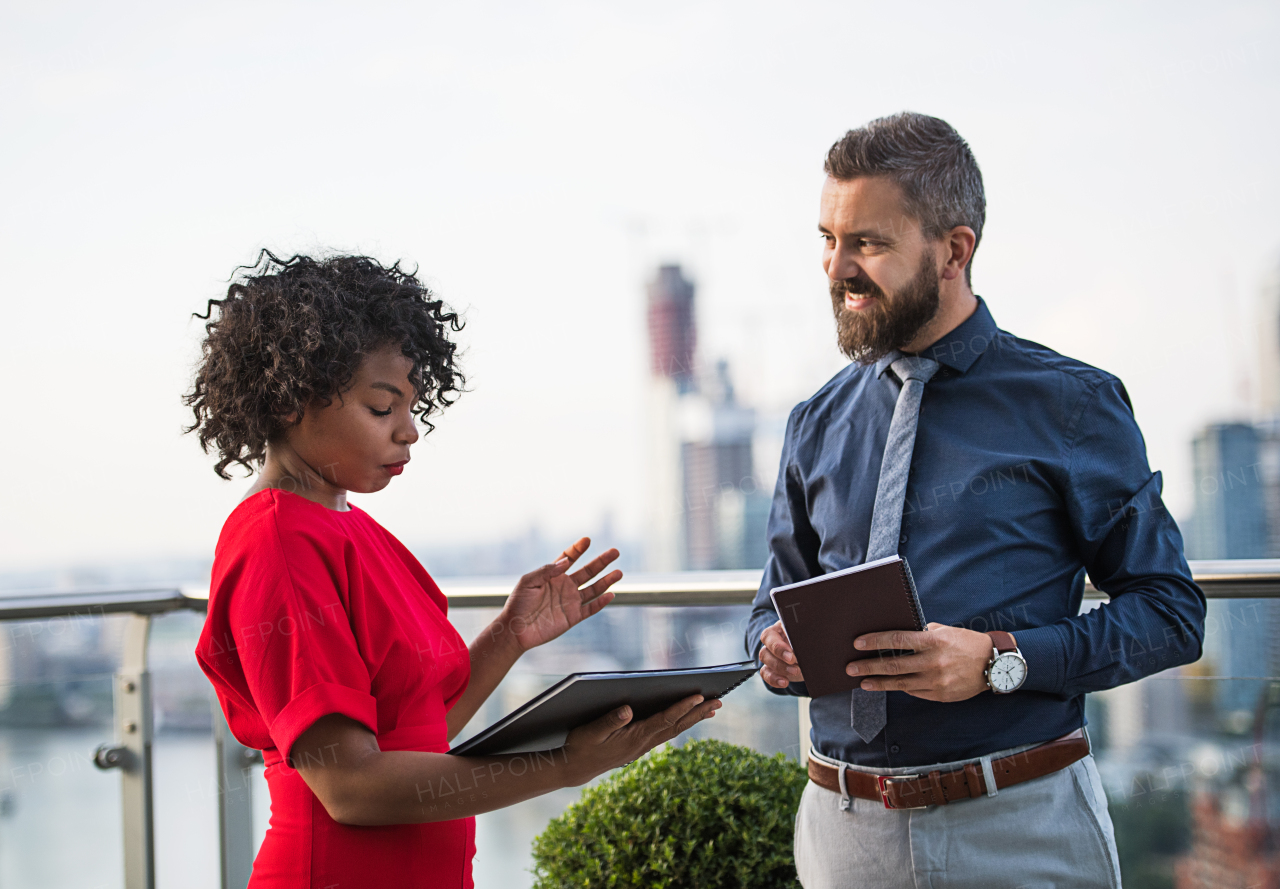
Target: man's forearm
{"x": 1134, "y": 635}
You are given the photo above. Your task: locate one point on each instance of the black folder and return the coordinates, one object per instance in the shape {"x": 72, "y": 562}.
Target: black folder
{"x": 579, "y": 698}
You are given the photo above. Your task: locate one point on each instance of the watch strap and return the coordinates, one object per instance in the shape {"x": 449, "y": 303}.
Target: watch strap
{"x": 1002, "y": 641}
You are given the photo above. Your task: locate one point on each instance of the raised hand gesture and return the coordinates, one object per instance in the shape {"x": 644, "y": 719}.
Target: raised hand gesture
{"x": 548, "y": 601}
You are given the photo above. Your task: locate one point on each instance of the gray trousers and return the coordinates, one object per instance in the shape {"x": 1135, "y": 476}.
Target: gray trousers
{"x": 1053, "y": 831}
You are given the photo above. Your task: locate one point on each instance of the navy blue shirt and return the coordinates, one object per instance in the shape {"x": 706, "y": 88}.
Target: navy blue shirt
{"x": 1028, "y": 471}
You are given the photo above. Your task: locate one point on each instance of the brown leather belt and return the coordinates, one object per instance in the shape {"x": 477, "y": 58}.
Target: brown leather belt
{"x": 939, "y": 788}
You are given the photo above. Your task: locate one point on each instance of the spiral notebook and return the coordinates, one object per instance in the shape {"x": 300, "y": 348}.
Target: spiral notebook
{"x": 579, "y": 698}
{"x": 823, "y": 615}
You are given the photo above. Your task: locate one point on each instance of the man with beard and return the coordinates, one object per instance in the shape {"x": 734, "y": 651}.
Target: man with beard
{"x": 1002, "y": 471}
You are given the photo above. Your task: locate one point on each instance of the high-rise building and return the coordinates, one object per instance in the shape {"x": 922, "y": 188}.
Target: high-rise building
{"x": 1230, "y": 512}
{"x": 672, "y": 341}
{"x": 1235, "y": 490}
{"x": 724, "y": 512}
{"x": 673, "y": 332}
{"x": 706, "y": 510}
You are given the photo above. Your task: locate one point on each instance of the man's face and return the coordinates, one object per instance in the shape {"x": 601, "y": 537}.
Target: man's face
{"x": 883, "y": 272}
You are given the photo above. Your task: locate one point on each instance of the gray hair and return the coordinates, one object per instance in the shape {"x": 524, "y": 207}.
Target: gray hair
{"x": 940, "y": 180}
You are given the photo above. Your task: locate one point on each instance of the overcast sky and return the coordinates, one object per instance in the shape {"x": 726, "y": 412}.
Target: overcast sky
{"x": 537, "y": 160}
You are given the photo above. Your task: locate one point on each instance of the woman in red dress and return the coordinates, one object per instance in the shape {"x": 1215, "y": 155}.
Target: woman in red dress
{"x": 328, "y": 644}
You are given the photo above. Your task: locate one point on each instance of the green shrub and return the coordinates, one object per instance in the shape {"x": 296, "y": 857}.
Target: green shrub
{"x": 706, "y": 814}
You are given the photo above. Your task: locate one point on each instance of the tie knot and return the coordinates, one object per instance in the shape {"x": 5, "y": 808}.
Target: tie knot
{"x": 909, "y": 368}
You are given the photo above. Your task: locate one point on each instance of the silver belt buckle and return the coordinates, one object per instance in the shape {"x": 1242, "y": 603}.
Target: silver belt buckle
{"x": 882, "y": 784}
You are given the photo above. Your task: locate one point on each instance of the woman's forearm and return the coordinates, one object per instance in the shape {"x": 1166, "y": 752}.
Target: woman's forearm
{"x": 493, "y": 652}
{"x": 407, "y": 787}
{"x": 360, "y": 784}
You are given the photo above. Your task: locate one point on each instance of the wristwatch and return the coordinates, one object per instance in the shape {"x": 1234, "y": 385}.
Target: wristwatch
{"x": 1007, "y": 669}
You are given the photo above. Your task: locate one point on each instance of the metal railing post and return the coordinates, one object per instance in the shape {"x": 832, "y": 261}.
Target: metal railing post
{"x": 134, "y": 728}
{"x": 235, "y": 803}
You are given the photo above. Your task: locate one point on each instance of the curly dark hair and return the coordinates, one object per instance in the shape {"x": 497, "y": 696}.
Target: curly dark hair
{"x": 293, "y": 331}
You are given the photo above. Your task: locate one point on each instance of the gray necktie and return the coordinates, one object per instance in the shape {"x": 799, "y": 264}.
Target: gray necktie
{"x": 867, "y": 712}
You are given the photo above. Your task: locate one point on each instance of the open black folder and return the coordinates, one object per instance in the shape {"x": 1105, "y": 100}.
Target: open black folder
{"x": 579, "y": 698}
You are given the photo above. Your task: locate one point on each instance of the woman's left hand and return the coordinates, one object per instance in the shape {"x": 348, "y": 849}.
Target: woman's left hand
{"x": 547, "y": 602}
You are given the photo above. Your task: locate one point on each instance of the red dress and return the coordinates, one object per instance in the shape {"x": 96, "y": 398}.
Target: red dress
{"x": 312, "y": 612}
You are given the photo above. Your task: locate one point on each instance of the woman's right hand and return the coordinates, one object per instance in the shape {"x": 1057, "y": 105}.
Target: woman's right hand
{"x": 612, "y": 740}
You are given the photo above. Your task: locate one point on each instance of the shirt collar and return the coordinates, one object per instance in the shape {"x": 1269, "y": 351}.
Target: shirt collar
{"x": 958, "y": 349}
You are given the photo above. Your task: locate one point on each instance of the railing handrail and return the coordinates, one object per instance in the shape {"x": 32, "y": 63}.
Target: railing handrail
{"x": 96, "y": 601}
{"x": 1220, "y": 579}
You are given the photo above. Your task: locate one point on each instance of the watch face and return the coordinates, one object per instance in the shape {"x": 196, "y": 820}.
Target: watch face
{"x": 1008, "y": 672}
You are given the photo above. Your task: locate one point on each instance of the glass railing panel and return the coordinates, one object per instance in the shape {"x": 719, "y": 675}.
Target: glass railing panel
{"x": 60, "y": 816}
{"x": 1189, "y": 760}
{"x": 183, "y": 763}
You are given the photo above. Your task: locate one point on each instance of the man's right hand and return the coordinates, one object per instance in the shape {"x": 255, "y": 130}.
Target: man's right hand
{"x": 780, "y": 669}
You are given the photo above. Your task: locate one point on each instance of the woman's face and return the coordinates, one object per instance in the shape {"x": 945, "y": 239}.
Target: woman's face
{"x": 361, "y": 440}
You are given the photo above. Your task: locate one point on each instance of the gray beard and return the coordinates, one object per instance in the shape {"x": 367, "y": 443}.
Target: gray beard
{"x": 869, "y": 335}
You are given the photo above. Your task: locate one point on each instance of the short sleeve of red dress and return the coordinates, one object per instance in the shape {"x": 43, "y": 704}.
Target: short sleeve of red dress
{"x": 315, "y": 612}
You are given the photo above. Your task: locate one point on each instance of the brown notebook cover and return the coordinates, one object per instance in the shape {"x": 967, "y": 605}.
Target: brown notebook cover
{"x": 823, "y": 615}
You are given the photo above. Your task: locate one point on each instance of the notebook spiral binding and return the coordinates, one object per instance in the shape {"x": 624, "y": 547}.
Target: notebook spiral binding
{"x": 732, "y": 687}
{"x": 914, "y": 597}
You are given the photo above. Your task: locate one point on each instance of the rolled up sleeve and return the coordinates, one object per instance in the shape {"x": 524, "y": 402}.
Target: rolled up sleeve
{"x": 295, "y": 649}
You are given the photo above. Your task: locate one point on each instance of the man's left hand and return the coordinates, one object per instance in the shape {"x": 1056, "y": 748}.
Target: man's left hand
{"x": 947, "y": 665}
